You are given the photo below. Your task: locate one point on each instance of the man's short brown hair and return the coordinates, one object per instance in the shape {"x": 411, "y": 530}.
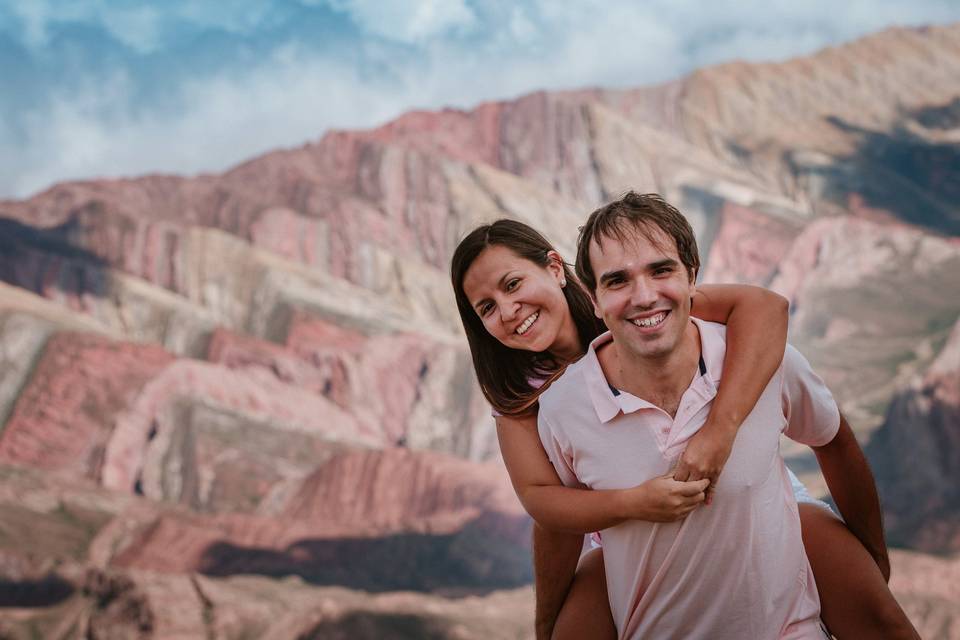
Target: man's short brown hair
{"x": 635, "y": 213}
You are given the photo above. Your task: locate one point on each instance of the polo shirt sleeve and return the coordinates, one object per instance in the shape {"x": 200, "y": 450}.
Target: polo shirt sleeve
{"x": 560, "y": 454}
{"x": 813, "y": 417}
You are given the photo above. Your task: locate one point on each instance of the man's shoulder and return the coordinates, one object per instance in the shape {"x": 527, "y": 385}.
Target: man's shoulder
{"x": 792, "y": 357}
{"x": 797, "y": 370}
{"x": 569, "y": 386}
{"x": 713, "y": 345}
{"x": 711, "y": 330}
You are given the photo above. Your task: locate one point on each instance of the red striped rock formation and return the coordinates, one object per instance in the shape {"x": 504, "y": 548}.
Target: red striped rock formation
{"x": 749, "y": 245}
{"x": 62, "y": 418}
{"x": 454, "y": 524}
{"x": 385, "y": 489}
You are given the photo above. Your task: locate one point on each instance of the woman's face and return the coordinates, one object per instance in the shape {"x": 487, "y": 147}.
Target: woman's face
{"x": 521, "y": 303}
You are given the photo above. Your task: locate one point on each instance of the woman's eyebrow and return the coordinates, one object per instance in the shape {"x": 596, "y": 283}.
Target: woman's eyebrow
{"x": 505, "y": 277}
{"x": 500, "y": 283}
{"x": 480, "y": 303}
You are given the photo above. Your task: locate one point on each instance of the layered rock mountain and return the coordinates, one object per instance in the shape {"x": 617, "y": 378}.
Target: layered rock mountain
{"x": 915, "y": 456}
{"x": 213, "y": 382}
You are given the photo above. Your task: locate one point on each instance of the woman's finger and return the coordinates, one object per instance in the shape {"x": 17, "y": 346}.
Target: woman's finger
{"x": 694, "y": 487}
{"x": 711, "y": 490}
{"x": 682, "y": 472}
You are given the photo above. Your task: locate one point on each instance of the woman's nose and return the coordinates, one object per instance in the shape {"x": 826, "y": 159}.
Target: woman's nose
{"x": 509, "y": 310}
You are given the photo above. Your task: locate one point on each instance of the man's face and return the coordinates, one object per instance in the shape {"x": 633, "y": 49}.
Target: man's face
{"x": 643, "y": 291}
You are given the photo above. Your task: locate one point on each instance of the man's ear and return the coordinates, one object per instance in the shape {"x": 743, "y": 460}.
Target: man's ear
{"x": 596, "y": 309}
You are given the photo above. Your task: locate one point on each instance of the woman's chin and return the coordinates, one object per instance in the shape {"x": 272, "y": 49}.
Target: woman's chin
{"x": 536, "y": 344}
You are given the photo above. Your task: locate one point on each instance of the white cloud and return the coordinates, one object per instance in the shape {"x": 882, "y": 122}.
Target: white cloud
{"x": 413, "y": 55}
{"x": 227, "y": 120}
{"x": 406, "y": 21}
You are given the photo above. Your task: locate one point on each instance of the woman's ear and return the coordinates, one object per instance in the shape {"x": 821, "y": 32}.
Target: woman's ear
{"x": 555, "y": 266}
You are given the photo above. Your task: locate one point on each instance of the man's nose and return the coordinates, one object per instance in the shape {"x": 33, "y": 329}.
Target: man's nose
{"x": 643, "y": 294}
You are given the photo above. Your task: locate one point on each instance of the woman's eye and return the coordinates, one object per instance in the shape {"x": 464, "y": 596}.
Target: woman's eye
{"x": 513, "y": 284}
{"x": 485, "y": 309}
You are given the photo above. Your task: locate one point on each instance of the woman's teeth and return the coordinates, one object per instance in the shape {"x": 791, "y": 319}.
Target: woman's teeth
{"x": 522, "y": 329}
{"x": 652, "y": 321}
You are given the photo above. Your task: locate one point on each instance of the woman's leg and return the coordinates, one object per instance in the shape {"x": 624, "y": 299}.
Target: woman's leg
{"x": 586, "y": 611}
{"x": 854, "y": 598}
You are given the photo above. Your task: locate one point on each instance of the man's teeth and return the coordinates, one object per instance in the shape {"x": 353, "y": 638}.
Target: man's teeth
{"x": 522, "y": 329}
{"x": 652, "y": 321}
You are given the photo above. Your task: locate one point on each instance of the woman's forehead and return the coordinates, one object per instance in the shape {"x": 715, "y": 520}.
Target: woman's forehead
{"x": 491, "y": 265}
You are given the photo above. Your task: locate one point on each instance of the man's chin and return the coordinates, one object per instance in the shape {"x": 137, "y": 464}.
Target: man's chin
{"x": 651, "y": 347}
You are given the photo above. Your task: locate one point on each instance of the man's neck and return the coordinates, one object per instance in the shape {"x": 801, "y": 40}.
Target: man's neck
{"x": 660, "y": 380}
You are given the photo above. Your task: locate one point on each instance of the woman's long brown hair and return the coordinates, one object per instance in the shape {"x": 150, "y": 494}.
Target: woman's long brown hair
{"x": 504, "y": 373}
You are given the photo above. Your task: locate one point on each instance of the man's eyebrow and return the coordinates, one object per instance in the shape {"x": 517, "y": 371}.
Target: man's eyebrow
{"x": 622, "y": 273}
{"x": 659, "y": 264}
{"x": 610, "y": 275}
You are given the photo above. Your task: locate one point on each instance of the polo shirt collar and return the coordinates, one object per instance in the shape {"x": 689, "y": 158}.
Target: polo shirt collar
{"x": 607, "y": 406}
{"x": 604, "y": 402}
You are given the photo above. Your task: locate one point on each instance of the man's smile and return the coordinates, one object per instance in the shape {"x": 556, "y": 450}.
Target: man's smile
{"x": 651, "y": 321}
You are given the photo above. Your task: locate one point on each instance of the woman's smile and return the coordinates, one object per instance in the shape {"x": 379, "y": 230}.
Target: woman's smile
{"x": 527, "y": 324}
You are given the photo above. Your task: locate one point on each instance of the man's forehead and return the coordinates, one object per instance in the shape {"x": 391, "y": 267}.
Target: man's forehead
{"x": 633, "y": 241}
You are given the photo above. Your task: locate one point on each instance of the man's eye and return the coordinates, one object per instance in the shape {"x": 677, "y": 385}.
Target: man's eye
{"x": 663, "y": 271}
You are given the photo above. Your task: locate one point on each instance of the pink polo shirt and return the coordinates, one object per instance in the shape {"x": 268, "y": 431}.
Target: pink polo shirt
{"x": 734, "y": 570}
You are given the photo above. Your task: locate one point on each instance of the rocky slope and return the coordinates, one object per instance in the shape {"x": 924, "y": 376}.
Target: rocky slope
{"x": 149, "y": 604}
{"x": 214, "y": 382}
{"x": 915, "y": 453}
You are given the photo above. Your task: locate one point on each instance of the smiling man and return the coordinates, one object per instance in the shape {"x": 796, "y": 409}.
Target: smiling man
{"x": 624, "y": 413}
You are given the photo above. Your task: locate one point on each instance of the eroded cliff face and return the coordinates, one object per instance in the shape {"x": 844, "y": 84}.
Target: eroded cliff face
{"x": 915, "y": 457}
{"x": 871, "y": 303}
{"x": 208, "y": 383}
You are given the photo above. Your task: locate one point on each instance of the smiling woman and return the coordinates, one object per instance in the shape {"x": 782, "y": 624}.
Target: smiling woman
{"x": 521, "y": 304}
{"x": 516, "y": 276}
